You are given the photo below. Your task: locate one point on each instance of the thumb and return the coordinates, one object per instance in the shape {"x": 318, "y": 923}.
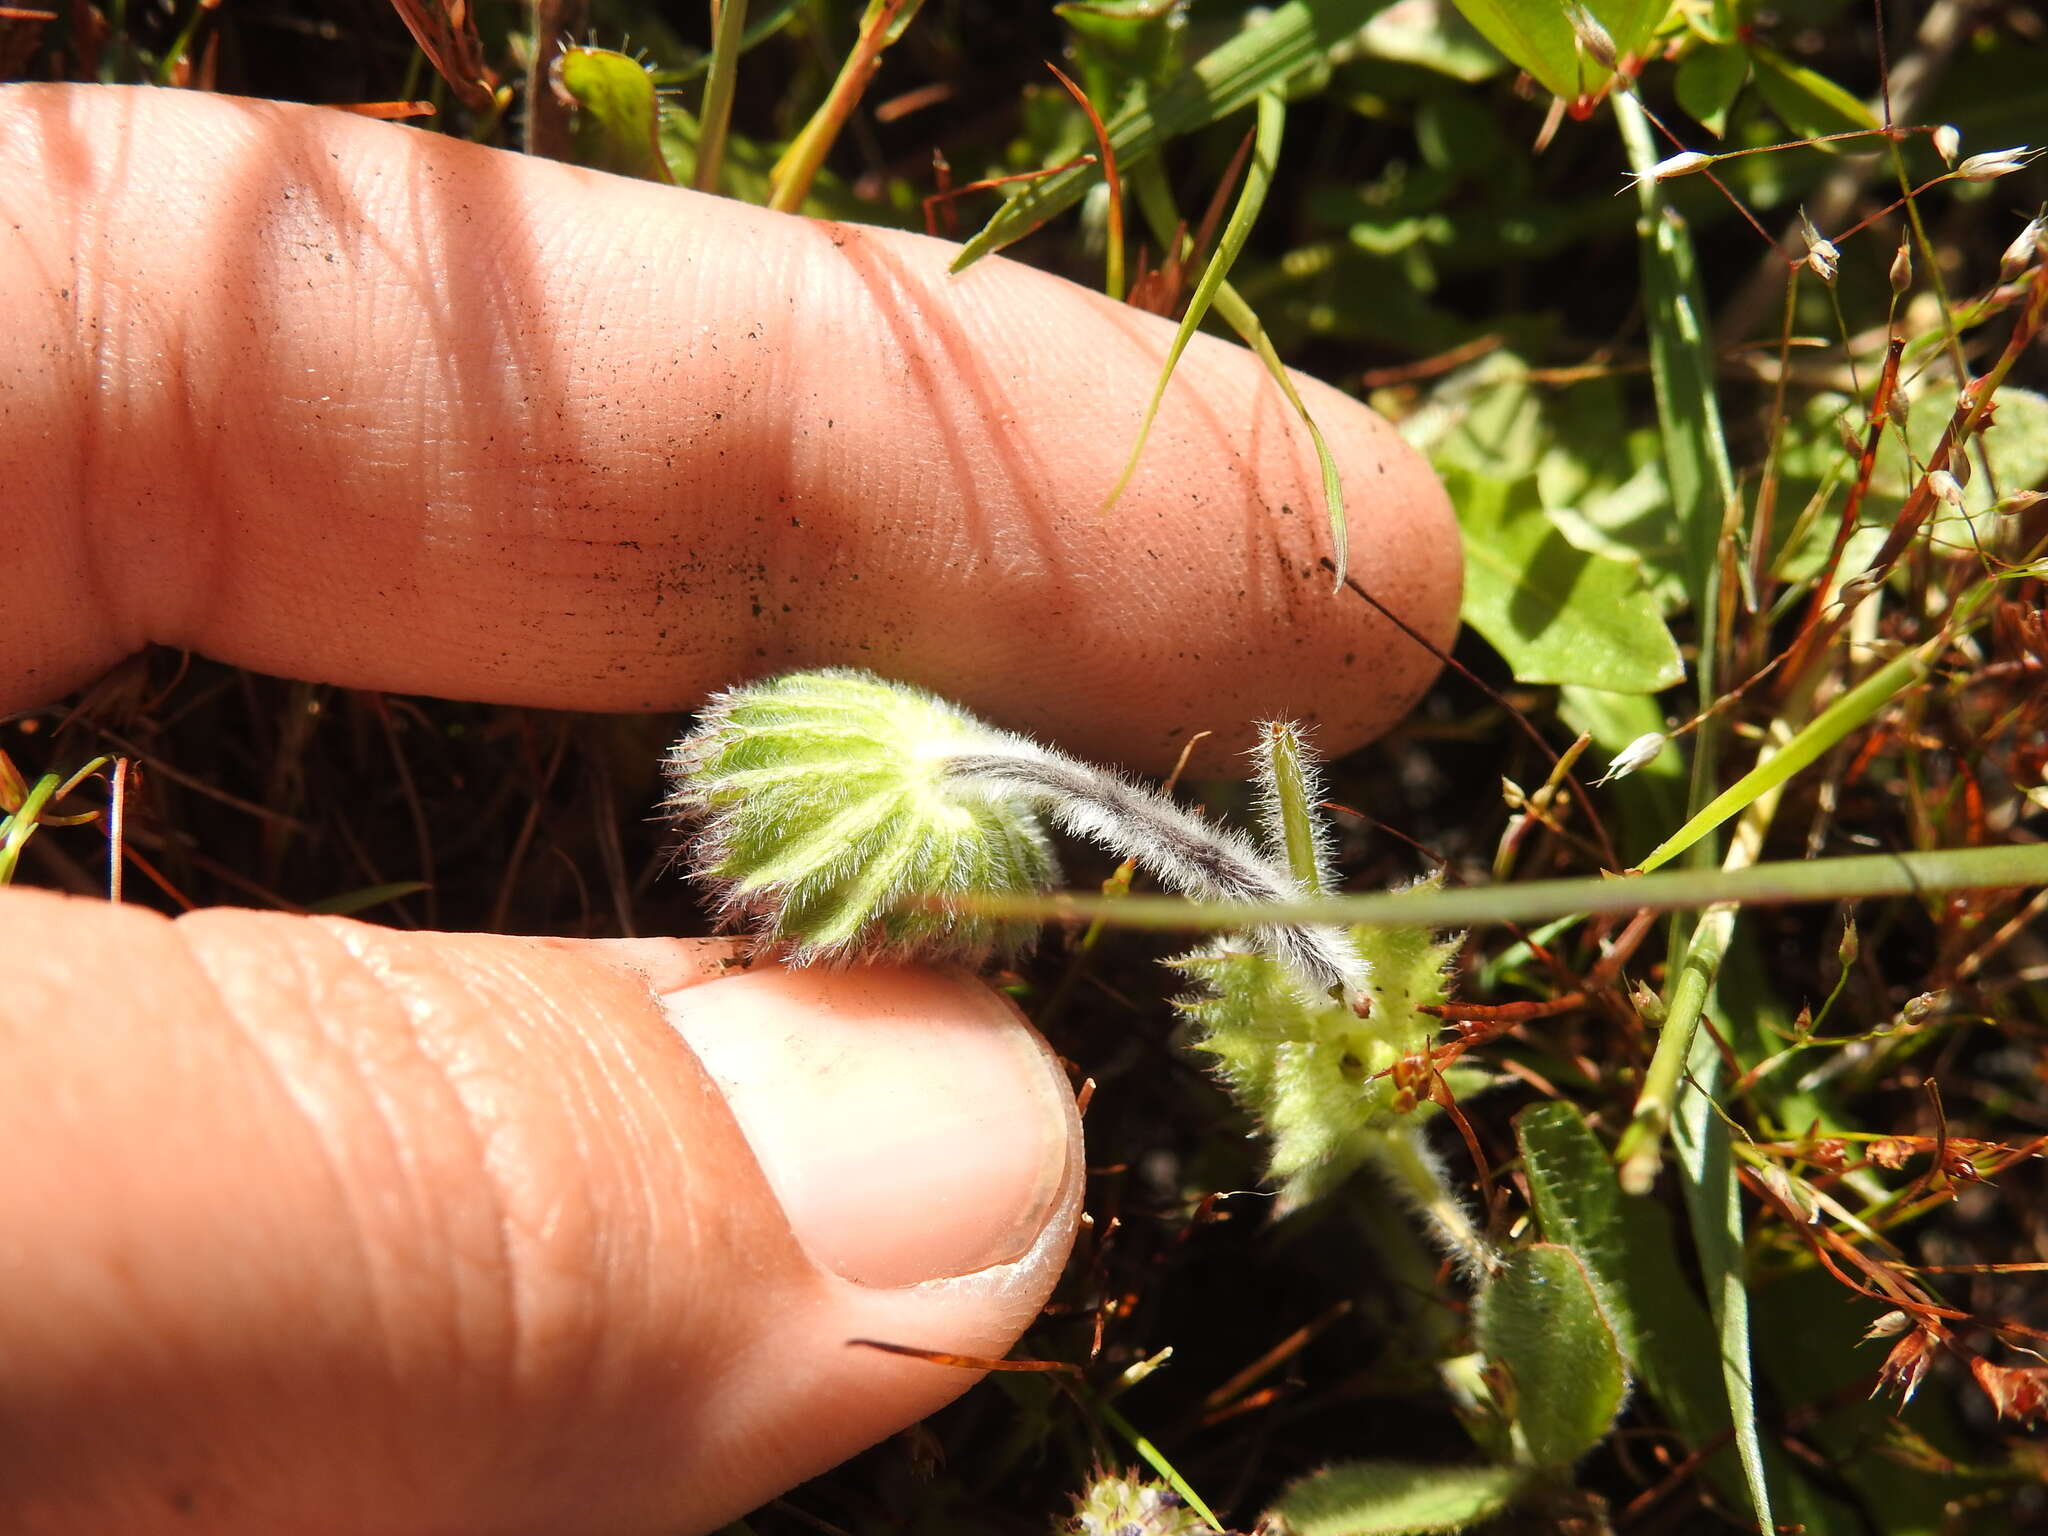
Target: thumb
{"x": 315, "y": 1226}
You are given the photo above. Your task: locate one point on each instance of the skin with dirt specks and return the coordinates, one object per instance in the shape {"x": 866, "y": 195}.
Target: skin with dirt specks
{"x": 442, "y": 419}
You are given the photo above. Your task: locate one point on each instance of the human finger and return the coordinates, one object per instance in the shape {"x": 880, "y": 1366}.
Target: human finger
{"x": 314, "y": 1226}
{"x": 356, "y": 403}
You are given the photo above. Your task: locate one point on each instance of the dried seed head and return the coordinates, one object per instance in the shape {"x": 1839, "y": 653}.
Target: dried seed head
{"x": 1889, "y": 1325}
{"x": 1948, "y": 143}
{"x": 1793, "y": 1193}
{"x": 1999, "y": 162}
{"x": 2028, "y": 246}
{"x": 1857, "y": 588}
{"x": 1592, "y": 36}
{"x": 1902, "y": 269}
{"x": 1850, "y": 946}
{"x": 1898, "y": 407}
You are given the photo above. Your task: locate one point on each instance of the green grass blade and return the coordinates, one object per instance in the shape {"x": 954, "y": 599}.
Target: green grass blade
{"x": 1713, "y": 1201}
{"x": 1821, "y": 733}
{"x": 1682, "y": 360}
{"x": 349, "y": 903}
{"x": 1704, "y": 500}
{"x": 1154, "y": 1458}
{"x": 1536, "y": 901}
{"x": 1239, "y": 316}
{"x": 1156, "y": 201}
{"x": 1258, "y": 176}
{"x": 1260, "y": 59}
{"x": 20, "y": 825}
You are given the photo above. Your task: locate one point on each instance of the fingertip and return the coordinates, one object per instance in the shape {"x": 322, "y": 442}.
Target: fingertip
{"x": 911, "y": 1124}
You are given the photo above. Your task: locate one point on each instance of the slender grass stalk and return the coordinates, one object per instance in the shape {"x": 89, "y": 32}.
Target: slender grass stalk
{"x": 1152, "y": 1456}
{"x": 790, "y": 180}
{"x": 1639, "y": 1151}
{"x": 729, "y": 25}
{"x": 1857, "y": 877}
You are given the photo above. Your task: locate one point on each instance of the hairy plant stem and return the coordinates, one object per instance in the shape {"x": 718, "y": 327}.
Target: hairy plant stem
{"x": 1405, "y": 1160}
{"x": 1187, "y": 854}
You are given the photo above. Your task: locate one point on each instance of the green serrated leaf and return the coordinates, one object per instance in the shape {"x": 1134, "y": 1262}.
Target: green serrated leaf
{"x": 1808, "y": 103}
{"x": 1396, "y": 1498}
{"x": 1708, "y": 82}
{"x": 1540, "y": 1320}
{"x": 616, "y": 118}
{"x": 1554, "y": 612}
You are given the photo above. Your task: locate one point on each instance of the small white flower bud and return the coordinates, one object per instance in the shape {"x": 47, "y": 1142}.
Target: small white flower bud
{"x": 1902, "y": 269}
{"x": 1945, "y": 485}
{"x": 1684, "y": 163}
{"x": 2000, "y": 162}
{"x": 2026, "y": 247}
{"x": 1640, "y": 753}
{"x": 1821, "y": 255}
{"x": 1948, "y": 143}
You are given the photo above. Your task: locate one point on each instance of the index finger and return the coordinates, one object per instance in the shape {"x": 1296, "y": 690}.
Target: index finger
{"x": 354, "y": 403}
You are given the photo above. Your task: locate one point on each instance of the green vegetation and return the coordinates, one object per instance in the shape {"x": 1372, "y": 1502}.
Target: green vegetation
{"x": 1723, "y": 325}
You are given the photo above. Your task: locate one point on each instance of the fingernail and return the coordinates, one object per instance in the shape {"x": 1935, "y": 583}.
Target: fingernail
{"x": 909, "y": 1121}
